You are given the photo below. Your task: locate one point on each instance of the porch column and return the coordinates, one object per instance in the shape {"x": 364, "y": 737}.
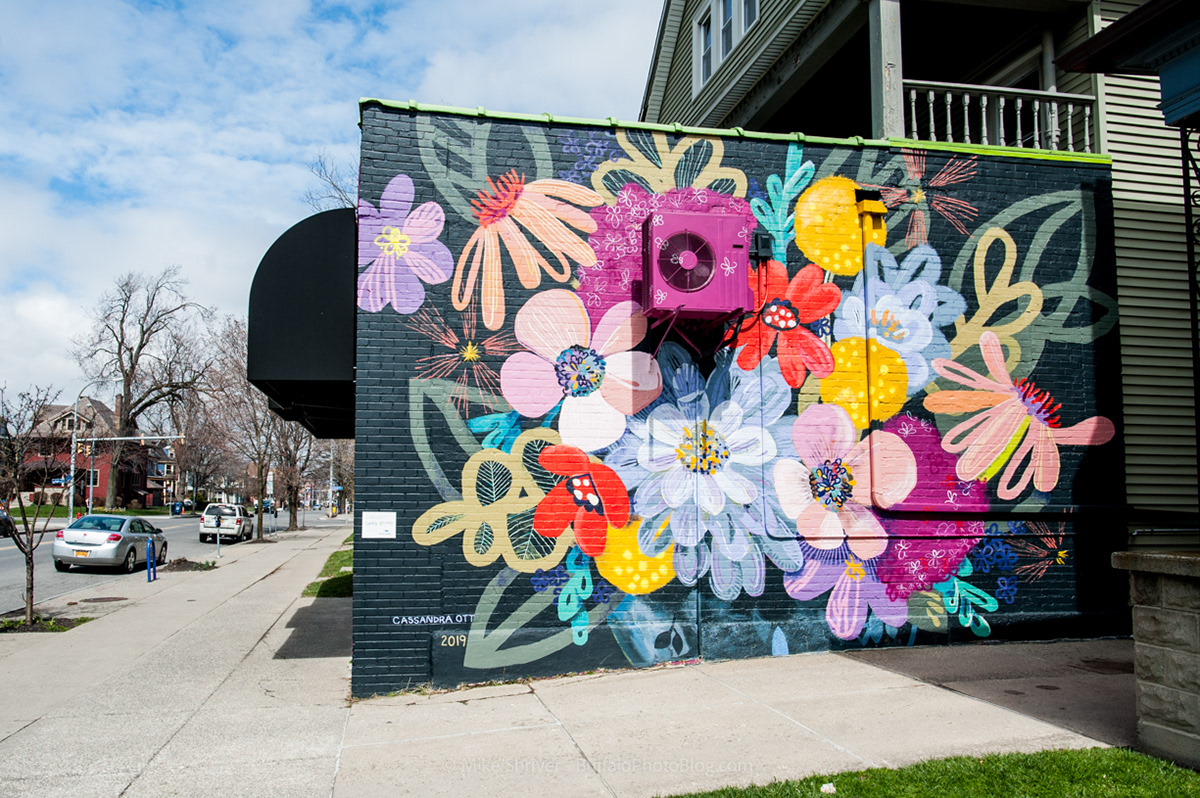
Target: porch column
{"x": 887, "y": 80}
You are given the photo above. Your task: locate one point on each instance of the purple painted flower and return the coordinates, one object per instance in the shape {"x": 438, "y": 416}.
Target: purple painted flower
{"x": 853, "y": 585}
{"x": 399, "y": 250}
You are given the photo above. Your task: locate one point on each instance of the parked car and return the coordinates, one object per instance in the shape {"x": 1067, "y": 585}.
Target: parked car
{"x": 107, "y": 540}
{"x": 8, "y": 529}
{"x": 235, "y": 522}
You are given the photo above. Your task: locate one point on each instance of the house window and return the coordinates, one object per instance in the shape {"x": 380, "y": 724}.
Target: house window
{"x": 94, "y": 478}
{"x": 726, "y": 27}
{"x": 705, "y": 32}
{"x": 733, "y": 18}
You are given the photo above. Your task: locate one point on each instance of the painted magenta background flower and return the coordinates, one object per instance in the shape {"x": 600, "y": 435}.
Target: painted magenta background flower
{"x": 589, "y": 500}
{"x": 828, "y": 492}
{"x": 596, "y": 376}
{"x": 1017, "y": 427}
{"x": 542, "y": 209}
{"x": 399, "y": 249}
{"x": 782, "y": 310}
{"x": 927, "y": 550}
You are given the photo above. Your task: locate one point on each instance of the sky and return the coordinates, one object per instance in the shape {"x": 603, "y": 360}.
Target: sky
{"x": 137, "y": 135}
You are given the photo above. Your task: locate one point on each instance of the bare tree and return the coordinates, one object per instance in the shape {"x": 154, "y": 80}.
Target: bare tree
{"x": 26, "y": 449}
{"x": 241, "y": 409}
{"x": 201, "y": 452}
{"x": 294, "y": 449}
{"x": 341, "y": 452}
{"x": 145, "y": 337}
{"x": 338, "y": 185}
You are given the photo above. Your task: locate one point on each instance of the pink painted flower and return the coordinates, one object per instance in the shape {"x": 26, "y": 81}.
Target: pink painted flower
{"x": 596, "y": 376}
{"x": 829, "y": 493}
{"x": 839, "y": 477}
{"x": 1018, "y": 428}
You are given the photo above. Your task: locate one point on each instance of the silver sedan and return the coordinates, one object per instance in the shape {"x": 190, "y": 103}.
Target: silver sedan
{"x": 107, "y": 540}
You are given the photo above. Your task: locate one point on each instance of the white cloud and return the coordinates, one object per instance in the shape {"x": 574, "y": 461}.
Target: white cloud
{"x": 133, "y": 135}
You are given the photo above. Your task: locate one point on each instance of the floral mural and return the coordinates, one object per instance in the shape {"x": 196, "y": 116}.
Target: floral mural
{"x": 825, "y": 471}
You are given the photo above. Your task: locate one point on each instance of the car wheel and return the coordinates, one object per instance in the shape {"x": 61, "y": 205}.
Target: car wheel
{"x": 130, "y": 564}
{"x": 162, "y": 555}
{"x": 61, "y": 566}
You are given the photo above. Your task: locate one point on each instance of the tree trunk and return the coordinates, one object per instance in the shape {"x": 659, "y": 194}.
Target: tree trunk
{"x": 293, "y": 499}
{"x": 29, "y": 584}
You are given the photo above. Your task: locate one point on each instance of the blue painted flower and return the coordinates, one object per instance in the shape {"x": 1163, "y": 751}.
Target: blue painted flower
{"x": 1006, "y": 589}
{"x": 698, "y": 459}
{"x": 902, "y": 307}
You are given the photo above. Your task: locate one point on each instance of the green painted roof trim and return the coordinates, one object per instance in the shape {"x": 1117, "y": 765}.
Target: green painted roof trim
{"x": 1016, "y": 152}
{"x": 737, "y": 132}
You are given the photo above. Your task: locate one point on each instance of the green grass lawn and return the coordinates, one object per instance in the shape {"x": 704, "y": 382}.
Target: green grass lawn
{"x": 1090, "y": 773}
{"x": 61, "y": 511}
{"x": 337, "y": 583}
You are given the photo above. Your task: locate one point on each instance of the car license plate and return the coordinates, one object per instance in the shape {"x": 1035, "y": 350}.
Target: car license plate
{"x": 79, "y": 553}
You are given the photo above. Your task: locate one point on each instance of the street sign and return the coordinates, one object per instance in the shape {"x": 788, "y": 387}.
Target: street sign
{"x": 63, "y": 481}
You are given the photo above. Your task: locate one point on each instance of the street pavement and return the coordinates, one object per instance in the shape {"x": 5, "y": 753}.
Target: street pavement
{"x": 227, "y": 683}
{"x": 183, "y": 540}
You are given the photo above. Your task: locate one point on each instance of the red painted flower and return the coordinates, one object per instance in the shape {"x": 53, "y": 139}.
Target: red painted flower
{"x": 783, "y": 309}
{"x": 590, "y": 499}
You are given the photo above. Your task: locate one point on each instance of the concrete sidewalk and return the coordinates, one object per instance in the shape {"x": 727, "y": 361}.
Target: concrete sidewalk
{"x": 227, "y": 683}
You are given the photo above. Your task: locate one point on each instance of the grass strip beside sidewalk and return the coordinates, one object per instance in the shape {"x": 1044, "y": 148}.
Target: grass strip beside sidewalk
{"x": 333, "y": 582}
{"x": 1091, "y": 772}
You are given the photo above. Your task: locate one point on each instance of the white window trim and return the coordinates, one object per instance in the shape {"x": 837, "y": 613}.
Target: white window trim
{"x": 711, "y": 11}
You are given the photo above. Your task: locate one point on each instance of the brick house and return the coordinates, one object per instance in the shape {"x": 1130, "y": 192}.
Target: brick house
{"x": 51, "y": 464}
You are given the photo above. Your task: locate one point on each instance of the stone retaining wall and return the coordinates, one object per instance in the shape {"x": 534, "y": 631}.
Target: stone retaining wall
{"x": 1165, "y": 590}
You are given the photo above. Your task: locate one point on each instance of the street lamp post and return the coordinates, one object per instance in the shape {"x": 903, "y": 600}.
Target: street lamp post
{"x": 75, "y": 451}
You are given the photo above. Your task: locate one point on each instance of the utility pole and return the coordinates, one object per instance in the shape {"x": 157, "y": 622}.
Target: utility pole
{"x": 331, "y": 478}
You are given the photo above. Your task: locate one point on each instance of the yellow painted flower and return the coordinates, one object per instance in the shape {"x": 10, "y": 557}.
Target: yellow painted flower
{"x": 829, "y": 229}
{"x": 627, "y": 568}
{"x": 869, "y": 389}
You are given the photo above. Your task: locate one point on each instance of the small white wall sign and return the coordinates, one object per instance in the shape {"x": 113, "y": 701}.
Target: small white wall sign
{"x": 379, "y": 525}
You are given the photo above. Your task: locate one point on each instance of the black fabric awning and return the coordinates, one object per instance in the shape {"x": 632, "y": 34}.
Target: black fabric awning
{"x": 301, "y": 336}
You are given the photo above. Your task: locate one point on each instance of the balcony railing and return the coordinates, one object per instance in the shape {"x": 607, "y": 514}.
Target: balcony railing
{"x": 970, "y": 114}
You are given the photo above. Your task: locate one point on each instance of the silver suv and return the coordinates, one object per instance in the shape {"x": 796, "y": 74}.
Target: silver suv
{"x": 230, "y": 521}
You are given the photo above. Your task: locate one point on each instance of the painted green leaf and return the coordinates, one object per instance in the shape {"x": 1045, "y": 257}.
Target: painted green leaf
{"x": 445, "y": 520}
{"x": 493, "y": 482}
{"x": 688, "y": 170}
{"x": 527, "y": 543}
{"x": 617, "y": 179}
{"x": 529, "y": 458}
{"x": 455, "y": 153}
{"x": 485, "y": 538}
{"x": 644, "y": 141}
{"x": 420, "y": 394}
{"x": 724, "y": 186}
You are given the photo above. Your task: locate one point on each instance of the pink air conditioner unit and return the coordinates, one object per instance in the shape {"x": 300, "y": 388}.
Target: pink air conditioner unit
{"x": 696, "y": 265}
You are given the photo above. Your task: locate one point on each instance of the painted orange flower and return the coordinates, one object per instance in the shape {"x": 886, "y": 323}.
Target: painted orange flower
{"x": 542, "y": 209}
{"x": 1018, "y": 427}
